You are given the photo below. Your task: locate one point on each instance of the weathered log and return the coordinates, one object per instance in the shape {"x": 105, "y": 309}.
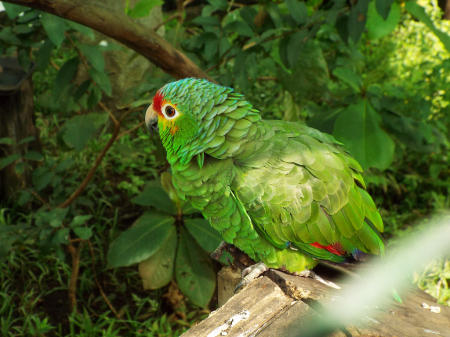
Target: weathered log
{"x": 124, "y": 29}
{"x": 279, "y": 304}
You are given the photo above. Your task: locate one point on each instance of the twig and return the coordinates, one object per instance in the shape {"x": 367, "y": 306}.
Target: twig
{"x": 80, "y": 54}
{"x": 116, "y": 123}
{"x": 40, "y": 198}
{"x": 54, "y": 65}
{"x": 91, "y": 172}
{"x": 94, "y": 272}
{"x": 170, "y": 18}
{"x": 130, "y": 130}
{"x": 72, "y": 294}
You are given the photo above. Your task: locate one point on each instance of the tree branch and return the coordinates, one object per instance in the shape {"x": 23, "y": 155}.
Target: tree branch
{"x": 124, "y": 29}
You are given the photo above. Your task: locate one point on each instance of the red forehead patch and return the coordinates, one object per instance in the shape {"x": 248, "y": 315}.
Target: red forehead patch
{"x": 157, "y": 102}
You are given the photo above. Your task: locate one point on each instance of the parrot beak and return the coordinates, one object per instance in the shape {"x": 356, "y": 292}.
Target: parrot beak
{"x": 151, "y": 120}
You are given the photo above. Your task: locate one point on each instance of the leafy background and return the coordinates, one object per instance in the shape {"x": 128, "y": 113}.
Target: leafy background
{"x": 373, "y": 74}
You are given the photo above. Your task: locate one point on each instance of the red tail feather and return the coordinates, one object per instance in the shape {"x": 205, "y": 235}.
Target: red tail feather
{"x": 335, "y": 248}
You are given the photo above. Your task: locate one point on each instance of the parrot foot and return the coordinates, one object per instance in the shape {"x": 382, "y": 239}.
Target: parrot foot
{"x": 217, "y": 254}
{"x": 250, "y": 273}
{"x": 313, "y": 275}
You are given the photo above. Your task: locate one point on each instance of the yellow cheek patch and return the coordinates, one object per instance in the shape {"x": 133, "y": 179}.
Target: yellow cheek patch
{"x": 169, "y": 124}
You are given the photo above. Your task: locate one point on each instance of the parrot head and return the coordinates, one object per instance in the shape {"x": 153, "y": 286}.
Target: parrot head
{"x": 191, "y": 114}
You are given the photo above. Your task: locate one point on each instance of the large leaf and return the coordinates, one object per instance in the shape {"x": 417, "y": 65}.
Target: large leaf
{"x": 94, "y": 56}
{"x": 358, "y": 127}
{"x": 298, "y": 10}
{"x": 101, "y": 79}
{"x": 8, "y": 160}
{"x": 86, "y": 31}
{"x": 157, "y": 270}
{"x": 419, "y": 12}
{"x": 79, "y": 129}
{"x": 383, "y": 7}
{"x": 208, "y": 238}
{"x": 154, "y": 195}
{"x": 141, "y": 240}
{"x": 143, "y": 8}
{"x": 194, "y": 271}
{"x": 349, "y": 76}
{"x": 55, "y": 28}
{"x": 309, "y": 78}
{"x": 357, "y": 20}
{"x": 64, "y": 76}
{"x": 13, "y": 10}
{"x": 378, "y": 27}
{"x": 43, "y": 54}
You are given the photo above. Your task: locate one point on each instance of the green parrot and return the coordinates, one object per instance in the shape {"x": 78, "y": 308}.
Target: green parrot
{"x": 284, "y": 193}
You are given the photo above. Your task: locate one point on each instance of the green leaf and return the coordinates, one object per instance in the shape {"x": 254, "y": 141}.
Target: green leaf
{"x": 188, "y": 209}
{"x": 8, "y": 160}
{"x": 7, "y": 36}
{"x": 140, "y": 241}
{"x": 83, "y": 232}
{"x": 419, "y": 12}
{"x": 298, "y": 11}
{"x": 194, "y": 271}
{"x": 101, "y": 79}
{"x": 81, "y": 90}
{"x": 207, "y": 21}
{"x": 94, "y": 97}
{"x": 349, "y": 76}
{"x": 43, "y": 55}
{"x": 384, "y": 7}
{"x": 6, "y": 140}
{"x": 377, "y": 27}
{"x": 143, "y": 8}
{"x": 55, "y": 28}
{"x": 64, "y": 165}
{"x": 25, "y": 196}
{"x": 41, "y": 181}
{"x": 61, "y": 236}
{"x": 157, "y": 270}
{"x": 294, "y": 47}
{"x": 27, "y": 140}
{"x": 20, "y": 167}
{"x": 358, "y": 127}
{"x": 239, "y": 27}
{"x": 65, "y": 74}
{"x": 33, "y": 155}
{"x": 79, "y": 220}
{"x": 24, "y": 59}
{"x": 206, "y": 236}
{"x": 154, "y": 195}
{"x": 13, "y": 10}
{"x": 94, "y": 56}
{"x": 79, "y": 129}
{"x": 274, "y": 13}
{"x": 54, "y": 217}
{"x": 357, "y": 20}
{"x": 86, "y": 31}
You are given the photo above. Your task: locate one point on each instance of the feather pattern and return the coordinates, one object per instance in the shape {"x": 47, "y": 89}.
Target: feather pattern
{"x": 282, "y": 192}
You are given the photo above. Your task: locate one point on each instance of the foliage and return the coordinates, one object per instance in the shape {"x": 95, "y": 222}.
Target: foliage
{"x": 377, "y": 84}
{"x": 169, "y": 243}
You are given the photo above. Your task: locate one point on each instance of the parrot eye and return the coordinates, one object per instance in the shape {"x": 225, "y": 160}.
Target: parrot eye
{"x": 169, "y": 111}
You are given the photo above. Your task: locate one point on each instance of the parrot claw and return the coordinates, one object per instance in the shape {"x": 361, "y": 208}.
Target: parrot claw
{"x": 217, "y": 254}
{"x": 250, "y": 273}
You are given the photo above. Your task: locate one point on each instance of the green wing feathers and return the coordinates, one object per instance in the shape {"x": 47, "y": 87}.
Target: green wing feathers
{"x": 303, "y": 189}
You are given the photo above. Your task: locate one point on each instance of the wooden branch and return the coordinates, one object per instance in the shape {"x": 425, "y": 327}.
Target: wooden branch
{"x": 124, "y": 29}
